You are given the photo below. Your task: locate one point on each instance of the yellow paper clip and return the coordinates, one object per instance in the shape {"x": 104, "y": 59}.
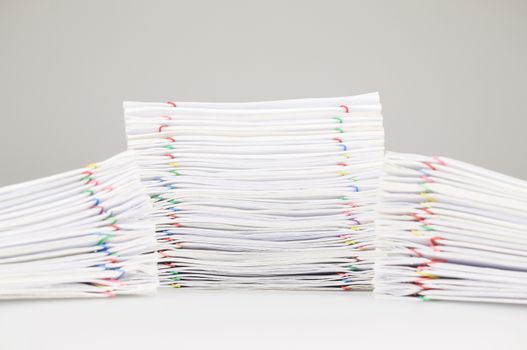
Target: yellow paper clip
{"x": 417, "y": 233}
{"x": 427, "y": 197}
{"x": 426, "y": 274}
{"x": 355, "y": 228}
{"x": 350, "y": 242}
{"x": 92, "y": 166}
{"x": 104, "y": 287}
{"x": 174, "y": 164}
{"x": 343, "y": 172}
{"x": 175, "y": 285}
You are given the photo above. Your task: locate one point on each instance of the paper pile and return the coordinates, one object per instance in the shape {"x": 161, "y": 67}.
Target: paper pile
{"x": 78, "y": 234}
{"x": 451, "y": 231}
{"x": 274, "y": 195}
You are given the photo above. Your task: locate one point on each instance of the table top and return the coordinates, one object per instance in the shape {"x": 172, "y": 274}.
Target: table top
{"x": 238, "y": 319}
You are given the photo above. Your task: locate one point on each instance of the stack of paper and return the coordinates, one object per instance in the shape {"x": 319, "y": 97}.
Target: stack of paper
{"x": 262, "y": 195}
{"x": 78, "y": 234}
{"x": 451, "y": 231}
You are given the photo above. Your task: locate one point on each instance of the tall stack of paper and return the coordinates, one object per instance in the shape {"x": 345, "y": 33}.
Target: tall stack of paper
{"x": 451, "y": 231}
{"x": 78, "y": 234}
{"x": 262, "y": 195}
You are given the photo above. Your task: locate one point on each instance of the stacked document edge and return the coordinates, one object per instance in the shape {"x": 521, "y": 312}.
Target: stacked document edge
{"x": 262, "y": 195}
{"x": 449, "y": 230}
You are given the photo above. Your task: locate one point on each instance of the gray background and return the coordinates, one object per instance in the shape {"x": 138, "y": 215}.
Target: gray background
{"x": 451, "y": 73}
{"x": 452, "y": 81}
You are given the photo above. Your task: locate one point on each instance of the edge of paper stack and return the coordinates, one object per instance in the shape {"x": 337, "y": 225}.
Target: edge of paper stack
{"x": 82, "y": 233}
{"x": 450, "y": 230}
{"x": 290, "y": 194}
{"x": 274, "y": 194}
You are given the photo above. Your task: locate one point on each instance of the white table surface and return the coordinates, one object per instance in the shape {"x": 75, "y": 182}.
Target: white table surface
{"x": 194, "y": 319}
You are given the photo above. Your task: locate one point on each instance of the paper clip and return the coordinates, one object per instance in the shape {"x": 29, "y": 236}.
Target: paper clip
{"x": 415, "y": 252}
{"x": 417, "y": 233}
{"x": 426, "y": 274}
{"x": 428, "y": 164}
{"x": 439, "y": 160}
{"x": 427, "y": 197}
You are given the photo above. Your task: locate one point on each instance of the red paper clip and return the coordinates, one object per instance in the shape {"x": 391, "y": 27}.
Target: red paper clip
{"x": 163, "y": 254}
{"x": 414, "y": 250}
{"x": 417, "y": 217}
{"x": 426, "y": 210}
{"x": 439, "y": 160}
{"x": 434, "y": 244}
{"x": 428, "y": 164}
